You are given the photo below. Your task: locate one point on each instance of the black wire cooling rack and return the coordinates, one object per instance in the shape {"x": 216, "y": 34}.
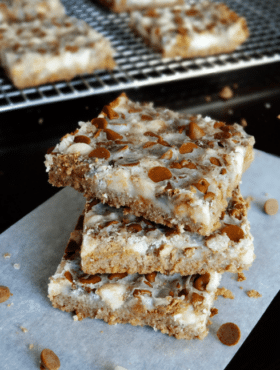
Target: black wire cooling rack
{"x": 138, "y": 65}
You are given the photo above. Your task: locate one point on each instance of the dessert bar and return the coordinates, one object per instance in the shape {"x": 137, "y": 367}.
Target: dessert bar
{"x": 130, "y": 5}
{"x": 170, "y": 168}
{"x": 116, "y": 242}
{"x": 44, "y": 51}
{"x": 191, "y": 30}
{"x": 175, "y": 305}
{"x": 22, "y": 10}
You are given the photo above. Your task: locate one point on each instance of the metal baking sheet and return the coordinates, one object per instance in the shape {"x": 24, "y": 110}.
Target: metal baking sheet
{"x": 138, "y": 65}
{"x": 37, "y": 243}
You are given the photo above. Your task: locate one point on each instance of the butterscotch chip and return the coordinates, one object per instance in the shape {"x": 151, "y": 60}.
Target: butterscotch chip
{"x": 187, "y": 148}
{"x": 209, "y": 196}
{"x": 253, "y": 294}
{"x": 202, "y": 281}
{"x": 100, "y": 123}
{"x": 138, "y": 292}
{"x": 243, "y": 122}
{"x": 4, "y": 293}
{"x": 167, "y": 155}
{"x": 157, "y": 174}
{"x": 109, "y": 112}
{"x": 145, "y": 117}
{"x": 112, "y": 135}
{"x": 49, "y": 359}
{"x": 215, "y": 161}
{"x": 117, "y": 275}
{"x": 226, "y": 93}
{"x": 151, "y": 277}
{"x": 68, "y": 276}
{"x": 134, "y": 228}
{"x": 92, "y": 279}
{"x": 100, "y": 153}
{"x": 271, "y": 207}
{"x": 234, "y": 232}
{"x": 195, "y": 132}
{"x": 202, "y": 185}
{"x": 229, "y": 334}
{"x": 82, "y": 139}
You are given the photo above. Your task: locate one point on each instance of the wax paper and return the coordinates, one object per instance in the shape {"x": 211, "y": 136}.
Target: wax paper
{"x": 37, "y": 243}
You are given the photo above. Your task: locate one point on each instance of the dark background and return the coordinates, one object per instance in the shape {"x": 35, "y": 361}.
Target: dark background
{"x": 26, "y": 134}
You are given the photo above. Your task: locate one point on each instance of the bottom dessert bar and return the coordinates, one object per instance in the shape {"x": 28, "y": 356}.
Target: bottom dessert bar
{"x": 176, "y": 305}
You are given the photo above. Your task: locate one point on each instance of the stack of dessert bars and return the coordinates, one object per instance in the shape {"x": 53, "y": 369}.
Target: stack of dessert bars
{"x": 164, "y": 216}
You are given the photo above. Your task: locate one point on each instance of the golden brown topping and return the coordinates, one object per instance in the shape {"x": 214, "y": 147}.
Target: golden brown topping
{"x": 100, "y": 153}
{"x": 234, "y": 232}
{"x": 195, "y": 132}
{"x": 253, "y": 294}
{"x": 151, "y": 277}
{"x": 223, "y": 171}
{"x": 150, "y": 133}
{"x": 82, "y": 139}
{"x": 209, "y": 196}
{"x": 167, "y": 155}
{"x": 138, "y": 292}
{"x": 92, "y": 279}
{"x": 134, "y": 110}
{"x": 175, "y": 165}
{"x": 157, "y": 174}
{"x": 117, "y": 275}
{"x": 187, "y": 148}
{"x": 229, "y": 334}
{"x": 202, "y": 185}
{"x": 215, "y": 161}
{"x": 271, "y": 207}
{"x": 187, "y": 164}
{"x": 49, "y": 360}
{"x": 4, "y": 293}
{"x": 201, "y": 282}
{"x": 148, "y": 144}
{"x": 134, "y": 228}
{"x": 130, "y": 164}
{"x": 218, "y": 124}
{"x": 99, "y": 123}
{"x": 145, "y": 117}
{"x": 68, "y": 276}
{"x": 112, "y": 135}
{"x": 109, "y": 112}
{"x": 196, "y": 299}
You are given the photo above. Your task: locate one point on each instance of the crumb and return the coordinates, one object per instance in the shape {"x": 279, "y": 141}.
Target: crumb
{"x": 226, "y": 293}
{"x": 75, "y": 318}
{"x": 248, "y": 201}
{"x": 241, "y": 287}
{"x": 214, "y": 311}
{"x": 1, "y": 173}
{"x": 226, "y": 93}
{"x": 24, "y": 329}
{"x": 235, "y": 86}
{"x": 230, "y": 111}
{"x": 266, "y": 194}
{"x": 101, "y": 332}
{"x": 278, "y": 116}
{"x": 17, "y": 266}
{"x": 31, "y": 346}
{"x": 4, "y": 293}
{"x": 40, "y": 121}
{"x": 253, "y": 294}
{"x": 119, "y": 368}
{"x": 267, "y": 105}
{"x": 209, "y": 322}
{"x": 49, "y": 360}
{"x": 271, "y": 207}
{"x": 229, "y": 334}
{"x": 243, "y": 122}
{"x": 86, "y": 107}
{"x": 7, "y": 255}
{"x": 208, "y": 98}
{"x": 241, "y": 276}
{"x": 10, "y": 304}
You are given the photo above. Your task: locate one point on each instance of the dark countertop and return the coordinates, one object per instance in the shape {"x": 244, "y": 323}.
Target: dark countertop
{"x": 26, "y": 134}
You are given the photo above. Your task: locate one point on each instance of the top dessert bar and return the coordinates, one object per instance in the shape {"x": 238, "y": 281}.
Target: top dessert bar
{"x": 22, "y": 10}
{"x": 130, "y": 5}
{"x": 191, "y": 30}
{"x": 170, "y": 168}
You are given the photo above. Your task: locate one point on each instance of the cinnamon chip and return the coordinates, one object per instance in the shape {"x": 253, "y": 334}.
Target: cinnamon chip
{"x": 4, "y": 293}
{"x": 234, "y": 232}
{"x": 113, "y": 222}
{"x": 202, "y": 185}
{"x": 92, "y": 279}
{"x": 117, "y": 275}
{"x": 138, "y": 292}
{"x": 167, "y": 155}
{"x": 202, "y": 281}
{"x": 100, "y": 153}
{"x": 151, "y": 277}
{"x": 109, "y": 112}
{"x": 99, "y": 123}
{"x": 195, "y": 132}
{"x": 229, "y": 334}
{"x": 163, "y": 142}
{"x": 148, "y": 144}
{"x": 49, "y": 360}
{"x": 145, "y": 117}
{"x": 187, "y": 148}
{"x": 157, "y": 174}
{"x": 215, "y": 161}
{"x": 68, "y": 276}
{"x": 222, "y": 135}
{"x": 187, "y": 164}
{"x": 175, "y": 165}
{"x": 82, "y": 139}
{"x": 134, "y": 228}
{"x": 150, "y": 133}
{"x": 112, "y": 135}
{"x": 271, "y": 207}
{"x": 223, "y": 171}
{"x": 196, "y": 299}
